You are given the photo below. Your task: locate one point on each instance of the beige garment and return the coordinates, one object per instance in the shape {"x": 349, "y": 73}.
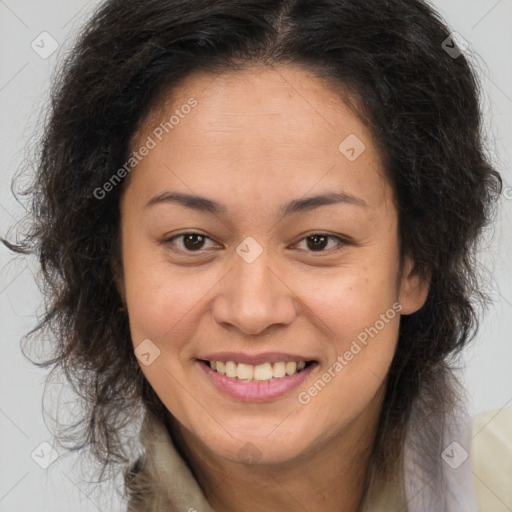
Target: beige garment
{"x": 166, "y": 483}
{"x": 491, "y": 460}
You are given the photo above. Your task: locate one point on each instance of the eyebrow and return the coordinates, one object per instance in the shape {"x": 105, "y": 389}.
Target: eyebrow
{"x": 204, "y": 204}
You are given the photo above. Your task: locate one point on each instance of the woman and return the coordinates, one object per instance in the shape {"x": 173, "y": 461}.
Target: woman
{"x": 256, "y": 222}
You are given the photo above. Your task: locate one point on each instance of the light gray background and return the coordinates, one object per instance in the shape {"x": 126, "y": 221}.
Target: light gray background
{"x": 24, "y": 81}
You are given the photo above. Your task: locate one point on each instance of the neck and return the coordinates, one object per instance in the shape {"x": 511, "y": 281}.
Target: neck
{"x": 330, "y": 477}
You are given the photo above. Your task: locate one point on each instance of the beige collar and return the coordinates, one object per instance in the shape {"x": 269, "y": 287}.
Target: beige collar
{"x": 165, "y": 482}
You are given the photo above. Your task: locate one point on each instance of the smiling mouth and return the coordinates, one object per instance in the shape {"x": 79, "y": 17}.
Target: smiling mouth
{"x": 266, "y": 372}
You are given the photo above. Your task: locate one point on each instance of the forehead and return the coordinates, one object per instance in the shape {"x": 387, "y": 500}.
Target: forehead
{"x": 262, "y": 130}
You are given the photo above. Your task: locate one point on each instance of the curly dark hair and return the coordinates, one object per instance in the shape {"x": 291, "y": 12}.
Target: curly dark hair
{"x": 420, "y": 102}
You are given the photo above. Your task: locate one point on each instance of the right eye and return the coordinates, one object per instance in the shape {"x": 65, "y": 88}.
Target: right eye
{"x": 190, "y": 241}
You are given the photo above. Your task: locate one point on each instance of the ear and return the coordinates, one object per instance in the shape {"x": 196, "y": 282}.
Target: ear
{"x": 413, "y": 288}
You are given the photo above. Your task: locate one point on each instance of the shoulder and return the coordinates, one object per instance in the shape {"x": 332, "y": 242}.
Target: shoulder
{"x": 491, "y": 459}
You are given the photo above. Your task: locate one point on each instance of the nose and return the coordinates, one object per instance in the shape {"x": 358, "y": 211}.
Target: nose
{"x": 253, "y": 297}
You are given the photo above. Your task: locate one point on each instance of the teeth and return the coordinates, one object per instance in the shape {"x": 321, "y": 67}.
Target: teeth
{"x": 231, "y": 369}
{"x": 245, "y": 371}
{"x": 263, "y": 372}
{"x": 291, "y": 368}
{"x": 260, "y": 372}
{"x": 279, "y": 370}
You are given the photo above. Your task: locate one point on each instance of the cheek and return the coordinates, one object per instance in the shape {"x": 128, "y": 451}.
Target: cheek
{"x": 357, "y": 308}
{"x": 351, "y": 298}
{"x": 159, "y": 297}
{"x": 363, "y": 317}
{"x": 162, "y": 304}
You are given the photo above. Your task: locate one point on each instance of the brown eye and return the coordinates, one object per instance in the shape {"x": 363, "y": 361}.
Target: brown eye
{"x": 190, "y": 242}
{"x": 319, "y": 241}
{"x": 193, "y": 241}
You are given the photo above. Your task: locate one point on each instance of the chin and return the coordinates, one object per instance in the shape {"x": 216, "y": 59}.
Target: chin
{"x": 263, "y": 445}
{"x": 259, "y": 452}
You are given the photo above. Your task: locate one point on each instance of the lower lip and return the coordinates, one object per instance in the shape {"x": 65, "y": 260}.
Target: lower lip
{"x": 256, "y": 391}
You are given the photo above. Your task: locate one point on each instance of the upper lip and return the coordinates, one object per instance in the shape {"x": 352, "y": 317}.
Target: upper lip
{"x": 254, "y": 359}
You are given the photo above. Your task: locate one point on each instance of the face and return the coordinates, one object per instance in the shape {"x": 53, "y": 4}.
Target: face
{"x": 259, "y": 231}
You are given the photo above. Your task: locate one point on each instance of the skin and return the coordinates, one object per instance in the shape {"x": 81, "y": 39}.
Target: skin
{"x": 256, "y": 140}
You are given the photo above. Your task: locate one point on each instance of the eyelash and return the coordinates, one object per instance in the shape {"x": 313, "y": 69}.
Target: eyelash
{"x": 341, "y": 241}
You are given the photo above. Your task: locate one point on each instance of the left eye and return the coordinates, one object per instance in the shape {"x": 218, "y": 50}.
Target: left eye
{"x": 193, "y": 242}
{"x": 318, "y": 241}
